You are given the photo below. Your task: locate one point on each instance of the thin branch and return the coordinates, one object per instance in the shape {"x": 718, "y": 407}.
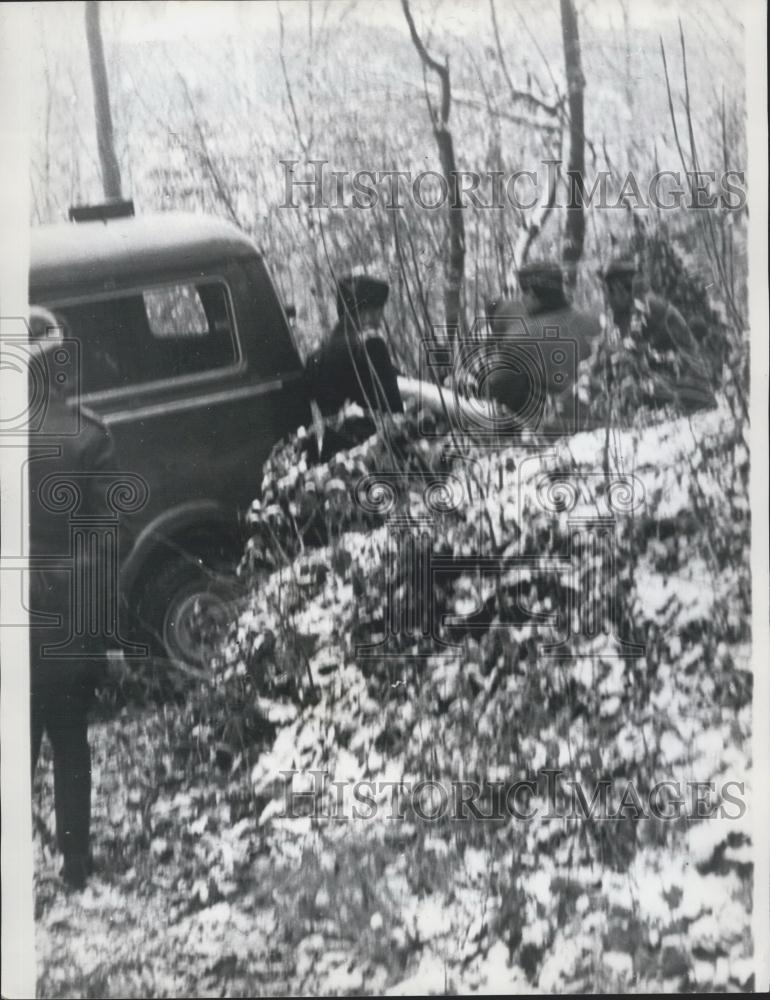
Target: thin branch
{"x": 516, "y": 94}
{"x": 287, "y": 83}
{"x": 533, "y": 229}
{"x": 538, "y": 49}
{"x": 441, "y": 70}
{"x": 211, "y": 167}
{"x": 687, "y": 97}
{"x": 710, "y": 244}
{"x": 455, "y": 261}
{"x": 470, "y": 102}
{"x": 707, "y": 226}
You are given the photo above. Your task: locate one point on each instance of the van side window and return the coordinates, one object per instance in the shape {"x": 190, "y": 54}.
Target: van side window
{"x": 191, "y": 327}
{"x": 152, "y": 334}
{"x": 175, "y": 311}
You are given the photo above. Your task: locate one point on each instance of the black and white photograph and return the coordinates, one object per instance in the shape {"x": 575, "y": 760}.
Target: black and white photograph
{"x": 383, "y": 435}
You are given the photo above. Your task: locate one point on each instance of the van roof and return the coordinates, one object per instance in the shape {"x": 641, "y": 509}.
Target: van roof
{"x": 75, "y": 258}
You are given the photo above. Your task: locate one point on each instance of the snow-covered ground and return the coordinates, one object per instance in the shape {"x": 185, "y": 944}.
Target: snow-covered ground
{"x": 207, "y": 885}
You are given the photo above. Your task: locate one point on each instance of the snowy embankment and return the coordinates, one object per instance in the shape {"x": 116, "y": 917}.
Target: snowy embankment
{"x": 629, "y": 899}
{"x": 206, "y": 884}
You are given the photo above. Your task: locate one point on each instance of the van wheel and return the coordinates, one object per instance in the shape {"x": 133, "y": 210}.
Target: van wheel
{"x": 188, "y": 607}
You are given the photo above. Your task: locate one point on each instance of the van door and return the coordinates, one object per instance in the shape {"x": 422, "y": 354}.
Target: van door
{"x": 169, "y": 369}
{"x": 188, "y": 386}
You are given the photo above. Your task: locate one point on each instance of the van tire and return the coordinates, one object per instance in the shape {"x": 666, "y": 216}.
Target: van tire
{"x": 186, "y": 607}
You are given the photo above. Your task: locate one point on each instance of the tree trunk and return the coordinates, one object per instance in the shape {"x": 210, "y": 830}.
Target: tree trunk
{"x": 574, "y": 235}
{"x": 455, "y": 263}
{"x": 455, "y": 271}
{"x": 104, "y": 137}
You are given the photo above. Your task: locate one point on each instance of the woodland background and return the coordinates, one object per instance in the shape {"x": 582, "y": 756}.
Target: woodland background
{"x": 206, "y": 105}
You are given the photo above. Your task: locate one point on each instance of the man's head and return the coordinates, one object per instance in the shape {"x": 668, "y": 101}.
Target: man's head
{"x": 361, "y": 300}
{"x": 619, "y": 282}
{"x": 542, "y": 286}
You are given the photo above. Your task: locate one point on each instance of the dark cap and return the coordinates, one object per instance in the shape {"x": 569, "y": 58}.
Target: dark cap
{"x": 619, "y": 267}
{"x": 545, "y": 273}
{"x": 542, "y": 274}
{"x": 358, "y": 292}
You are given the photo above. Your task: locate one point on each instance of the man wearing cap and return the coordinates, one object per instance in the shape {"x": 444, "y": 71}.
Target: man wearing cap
{"x": 542, "y": 315}
{"x": 542, "y": 290}
{"x": 351, "y": 366}
{"x": 678, "y": 371}
{"x": 62, "y": 688}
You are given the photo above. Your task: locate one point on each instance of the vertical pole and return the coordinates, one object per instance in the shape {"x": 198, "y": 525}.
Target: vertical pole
{"x": 104, "y": 135}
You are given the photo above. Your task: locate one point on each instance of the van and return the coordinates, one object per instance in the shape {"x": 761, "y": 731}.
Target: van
{"x": 186, "y": 353}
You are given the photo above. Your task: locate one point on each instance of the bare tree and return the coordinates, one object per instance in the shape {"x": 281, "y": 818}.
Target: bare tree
{"x": 455, "y": 269}
{"x": 105, "y": 140}
{"x": 532, "y": 225}
{"x": 574, "y": 234}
